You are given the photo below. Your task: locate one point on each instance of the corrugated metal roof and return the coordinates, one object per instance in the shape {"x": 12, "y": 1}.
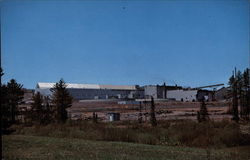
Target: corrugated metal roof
{"x": 118, "y": 87}
{"x": 81, "y": 86}
{"x": 88, "y": 86}
{"x": 45, "y": 85}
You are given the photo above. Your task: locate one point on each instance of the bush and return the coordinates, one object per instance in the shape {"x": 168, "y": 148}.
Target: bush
{"x": 230, "y": 136}
{"x": 216, "y": 134}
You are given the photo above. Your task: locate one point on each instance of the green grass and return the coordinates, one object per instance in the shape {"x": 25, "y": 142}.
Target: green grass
{"x": 37, "y": 147}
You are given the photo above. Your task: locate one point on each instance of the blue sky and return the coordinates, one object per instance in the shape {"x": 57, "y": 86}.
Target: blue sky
{"x": 189, "y": 43}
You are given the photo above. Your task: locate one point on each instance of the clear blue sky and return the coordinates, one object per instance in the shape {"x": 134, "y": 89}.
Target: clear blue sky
{"x": 190, "y": 43}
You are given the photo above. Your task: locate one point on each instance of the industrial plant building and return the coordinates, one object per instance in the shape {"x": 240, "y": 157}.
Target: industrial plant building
{"x": 178, "y": 93}
{"x": 95, "y": 91}
{"x": 158, "y": 91}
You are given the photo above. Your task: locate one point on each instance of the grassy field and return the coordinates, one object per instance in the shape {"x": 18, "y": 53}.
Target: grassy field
{"x": 182, "y": 133}
{"x": 37, "y": 147}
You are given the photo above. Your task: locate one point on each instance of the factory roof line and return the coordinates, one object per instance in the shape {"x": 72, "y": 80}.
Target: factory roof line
{"x": 88, "y": 86}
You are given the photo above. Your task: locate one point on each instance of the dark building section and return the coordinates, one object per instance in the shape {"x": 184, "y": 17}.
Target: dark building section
{"x": 222, "y": 94}
{"x": 208, "y": 95}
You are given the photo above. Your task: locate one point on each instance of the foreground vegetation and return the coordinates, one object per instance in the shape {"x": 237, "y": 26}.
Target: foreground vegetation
{"x": 36, "y": 147}
{"x": 171, "y": 133}
{"x": 175, "y": 139}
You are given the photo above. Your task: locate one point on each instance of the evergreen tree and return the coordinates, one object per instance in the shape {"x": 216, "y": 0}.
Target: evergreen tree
{"x": 37, "y": 109}
{"x": 14, "y": 96}
{"x": 233, "y": 82}
{"x": 140, "y": 114}
{"x": 240, "y": 93}
{"x": 198, "y": 116}
{"x": 95, "y": 117}
{"x": 1, "y": 74}
{"x": 202, "y": 115}
{"x": 61, "y": 100}
{"x": 1, "y": 107}
{"x": 245, "y": 96}
{"x": 47, "y": 111}
{"x": 5, "y": 109}
{"x": 152, "y": 113}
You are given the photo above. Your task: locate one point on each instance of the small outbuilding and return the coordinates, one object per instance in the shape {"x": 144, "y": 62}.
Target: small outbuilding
{"x": 113, "y": 117}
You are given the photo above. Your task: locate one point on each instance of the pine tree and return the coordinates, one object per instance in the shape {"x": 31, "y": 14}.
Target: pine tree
{"x": 230, "y": 92}
{"x": 14, "y": 96}
{"x": 198, "y": 116}
{"x": 240, "y": 93}
{"x": 245, "y": 98}
{"x": 233, "y": 82}
{"x": 5, "y": 108}
{"x": 202, "y": 115}
{"x": 152, "y": 113}
{"x": 61, "y": 100}
{"x": 95, "y": 117}
{"x": 37, "y": 109}
{"x": 47, "y": 111}
{"x": 140, "y": 114}
{"x": 1, "y": 107}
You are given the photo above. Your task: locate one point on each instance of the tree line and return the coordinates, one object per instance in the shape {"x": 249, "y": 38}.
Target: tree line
{"x": 239, "y": 93}
{"x": 239, "y": 90}
{"x": 43, "y": 110}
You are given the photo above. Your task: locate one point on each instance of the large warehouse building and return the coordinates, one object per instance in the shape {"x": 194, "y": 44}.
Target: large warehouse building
{"x": 95, "y": 91}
